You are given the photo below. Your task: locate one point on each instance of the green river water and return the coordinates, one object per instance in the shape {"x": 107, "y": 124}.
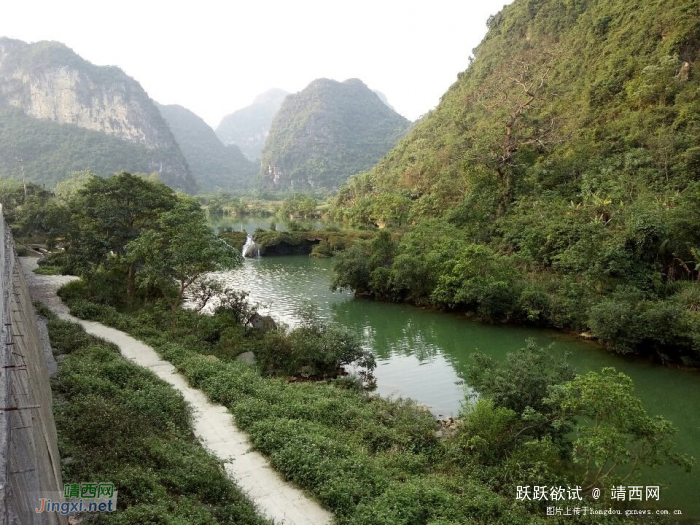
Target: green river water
{"x": 423, "y": 355}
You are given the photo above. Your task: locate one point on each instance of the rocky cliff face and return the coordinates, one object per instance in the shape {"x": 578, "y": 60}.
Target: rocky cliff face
{"x": 49, "y": 82}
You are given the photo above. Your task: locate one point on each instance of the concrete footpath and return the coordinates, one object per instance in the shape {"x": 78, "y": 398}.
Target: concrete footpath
{"x": 213, "y": 424}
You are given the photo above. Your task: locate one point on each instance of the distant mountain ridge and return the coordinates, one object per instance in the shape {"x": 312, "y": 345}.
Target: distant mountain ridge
{"x": 326, "y": 133}
{"x": 248, "y": 127}
{"x": 60, "y": 113}
{"x": 214, "y": 166}
{"x": 383, "y": 98}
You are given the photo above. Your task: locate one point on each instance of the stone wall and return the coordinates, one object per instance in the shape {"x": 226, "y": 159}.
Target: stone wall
{"x": 30, "y": 466}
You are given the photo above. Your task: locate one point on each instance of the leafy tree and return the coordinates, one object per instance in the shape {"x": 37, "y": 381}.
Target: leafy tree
{"x": 298, "y": 205}
{"x": 391, "y": 210}
{"x": 23, "y": 205}
{"x": 523, "y": 380}
{"x": 365, "y": 266}
{"x": 106, "y": 215}
{"x": 614, "y": 436}
{"x": 478, "y": 279}
{"x": 521, "y": 385}
{"x": 179, "y": 248}
{"x": 352, "y": 268}
{"x": 532, "y": 410}
{"x": 315, "y": 348}
{"x": 69, "y": 187}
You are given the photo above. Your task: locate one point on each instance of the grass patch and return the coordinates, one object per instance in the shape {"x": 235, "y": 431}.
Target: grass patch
{"x": 48, "y": 270}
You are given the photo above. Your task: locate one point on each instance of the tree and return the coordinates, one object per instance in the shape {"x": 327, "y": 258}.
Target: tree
{"x": 512, "y": 105}
{"x": 352, "y": 268}
{"x": 106, "y": 215}
{"x": 298, "y": 205}
{"x": 594, "y": 420}
{"x": 521, "y": 384}
{"x": 178, "y": 250}
{"x": 316, "y": 348}
{"x": 77, "y": 181}
{"x": 614, "y": 436}
{"x": 524, "y": 378}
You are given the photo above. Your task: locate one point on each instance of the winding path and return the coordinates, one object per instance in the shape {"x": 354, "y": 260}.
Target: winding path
{"x": 213, "y": 424}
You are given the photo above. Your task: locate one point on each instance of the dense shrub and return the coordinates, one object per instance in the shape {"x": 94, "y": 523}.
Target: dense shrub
{"x": 628, "y": 321}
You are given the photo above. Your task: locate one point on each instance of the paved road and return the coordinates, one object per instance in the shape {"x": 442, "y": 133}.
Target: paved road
{"x": 213, "y": 424}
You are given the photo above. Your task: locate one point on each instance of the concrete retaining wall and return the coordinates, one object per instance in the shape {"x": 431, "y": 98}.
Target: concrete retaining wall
{"x": 30, "y": 466}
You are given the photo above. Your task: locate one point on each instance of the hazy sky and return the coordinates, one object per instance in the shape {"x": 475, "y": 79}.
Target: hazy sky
{"x": 214, "y": 57}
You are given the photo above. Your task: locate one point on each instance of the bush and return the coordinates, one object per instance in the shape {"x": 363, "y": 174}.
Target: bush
{"x": 628, "y": 322}
{"x": 321, "y": 250}
{"x": 477, "y": 279}
{"x": 619, "y": 320}
{"x": 68, "y": 337}
{"x": 73, "y": 291}
{"x": 315, "y": 349}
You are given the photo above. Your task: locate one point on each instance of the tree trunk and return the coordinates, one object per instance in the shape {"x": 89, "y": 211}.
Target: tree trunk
{"x": 131, "y": 283}
{"x": 175, "y": 304}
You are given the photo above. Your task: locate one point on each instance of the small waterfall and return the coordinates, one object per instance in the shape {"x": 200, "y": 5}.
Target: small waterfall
{"x": 250, "y": 248}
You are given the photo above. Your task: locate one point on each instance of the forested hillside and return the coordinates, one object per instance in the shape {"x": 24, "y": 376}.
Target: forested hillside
{"x": 248, "y": 127}
{"x": 327, "y": 132}
{"x": 60, "y": 113}
{"x": 213, "y": 165}
{"x": 557, "y": 182}
{"x": 47, "y": 152}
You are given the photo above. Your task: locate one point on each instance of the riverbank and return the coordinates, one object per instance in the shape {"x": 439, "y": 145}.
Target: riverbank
{"x": 541, "y": 308}
{"x": 317, "y": 243}
{"x": 211, "y": 423}
{"x": 358, "y": 454}
{"x": 424, "y": 354}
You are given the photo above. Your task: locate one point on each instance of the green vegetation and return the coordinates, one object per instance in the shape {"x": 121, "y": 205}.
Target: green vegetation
{"x": 131, "y": 239}
{"x": 299, "y": 205}
{"x": 327, "y": 132}
{"x": 594, "y": 420}
{"x": 313, "y": 349}
{"x": 138, "y": 245}
{"x": 370, "y": 460}
{"x": 25, "y": 206}
{"x": 180, "y": 248}
{"x": 213, "y": 165}
{"x": 373, "y": 460}
{"x": 555, "y": 184}
{"x": 318, "y": 243}
{"x": 46, "y": 153}
{"x": 47, "y": 269}
{"x": 116, "y": 421}
{"x": 220, "y": 204}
